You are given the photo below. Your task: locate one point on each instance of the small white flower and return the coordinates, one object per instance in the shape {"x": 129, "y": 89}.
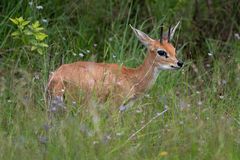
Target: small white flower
{"x": 199, "y": 103}
{"x": 166, "y": 107}
{"x": 110, "y": 39}
{"x": 122, "y": 108}
{"x": 44, "y": 20}
{"x": 9, "y": 101}
{"x": 198, "y": 92}
{"x": 53, "y": 109}
{"x": 88, "y": 51}
{"x": 30, "y": 3}
{"x": 119, "y": 133}
{"x": 81, "y": 55}
{"x": 39, "y": 7}
{"x": 138, "y": 111}
{"x": 210, "y": 54}
{"x": 108, "y": 137}
{"x": 95, "y": 119}
{"x": 95, "y": 45}
{"x": 95, "y": 142}
{"x": 237, "y": 36}
{"x": 208, "y": 65}
{"x": 221, "y": 97}
{"x": 224, "y": 81}
{"x": 114, "y": 56}
{"x": 147, "y": 95}
{"x": 74, "y": 102}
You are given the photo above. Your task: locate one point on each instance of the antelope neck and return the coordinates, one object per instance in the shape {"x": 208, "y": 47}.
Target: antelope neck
{"x": 146, "y": 74}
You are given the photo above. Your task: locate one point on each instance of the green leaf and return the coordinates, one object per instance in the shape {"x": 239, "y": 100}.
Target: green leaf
{"x": 33, "y": 42}
{"x": 40, "y": 36}
{"x": 20, "y": 27}
{"x": 28, "y": 32}
{"x": 25, "y": 23}
{"x": 43, "y": 45}
{"x": 35, "y": 25}
{"x": 40, "y": 51}
{"x": 39, "y": 29}
{"x": 14, "y": 21}
{"x": 20, "y": 20}
{"x": 33, "y": 48}
{"x": 16, "y": 33}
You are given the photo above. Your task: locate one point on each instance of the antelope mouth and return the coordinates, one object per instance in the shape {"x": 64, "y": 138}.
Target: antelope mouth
{"x": 175, "y": 67}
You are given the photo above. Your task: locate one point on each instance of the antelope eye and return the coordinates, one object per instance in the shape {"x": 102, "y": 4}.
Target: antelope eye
{"x": 162, "y": 53}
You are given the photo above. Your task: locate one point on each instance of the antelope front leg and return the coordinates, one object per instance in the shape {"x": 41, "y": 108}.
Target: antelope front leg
{"x": 56, "y": 97}
{"x": 128, "y": 104}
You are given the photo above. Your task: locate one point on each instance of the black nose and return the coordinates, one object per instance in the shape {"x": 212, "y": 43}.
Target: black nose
{"x": 180, "y": 64}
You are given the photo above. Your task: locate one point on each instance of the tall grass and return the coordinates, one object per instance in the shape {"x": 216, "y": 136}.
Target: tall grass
{"x": 202, "y": 100}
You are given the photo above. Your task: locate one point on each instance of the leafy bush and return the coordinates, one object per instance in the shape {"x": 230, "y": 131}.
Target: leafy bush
{"x": 30, "y": 34}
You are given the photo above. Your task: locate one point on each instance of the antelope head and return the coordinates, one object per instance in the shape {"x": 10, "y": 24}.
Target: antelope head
{"x": 163, "y": 51}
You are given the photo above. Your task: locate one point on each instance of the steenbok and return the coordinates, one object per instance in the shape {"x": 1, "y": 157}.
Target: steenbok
{"x": 114, "y": 82}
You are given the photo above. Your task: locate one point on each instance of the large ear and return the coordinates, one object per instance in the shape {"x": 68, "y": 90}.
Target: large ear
{"x": 143, "y": 37}
{"x": 173, "y": 29}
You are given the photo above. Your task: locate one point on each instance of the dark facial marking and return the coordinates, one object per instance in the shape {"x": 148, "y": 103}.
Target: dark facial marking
{"x": 180, "y": 64}
{"x": 162, "y": 53}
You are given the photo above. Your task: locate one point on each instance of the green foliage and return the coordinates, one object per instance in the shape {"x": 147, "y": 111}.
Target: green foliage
{"x": 30, "y": 34}
{"x": 203, "y": 117}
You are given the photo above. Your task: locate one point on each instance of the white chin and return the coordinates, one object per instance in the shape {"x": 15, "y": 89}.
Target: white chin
{"x": 167, "y": 67}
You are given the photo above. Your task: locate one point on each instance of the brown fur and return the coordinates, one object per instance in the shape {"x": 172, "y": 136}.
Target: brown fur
{"x": 112, "y": 80}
